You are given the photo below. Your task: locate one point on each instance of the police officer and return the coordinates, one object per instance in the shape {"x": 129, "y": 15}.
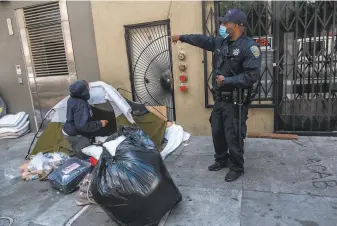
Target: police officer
{"x": 236, "y": 67}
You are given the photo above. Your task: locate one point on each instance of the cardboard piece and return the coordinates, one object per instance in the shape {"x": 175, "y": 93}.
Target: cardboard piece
{"x": 156, "y": 109}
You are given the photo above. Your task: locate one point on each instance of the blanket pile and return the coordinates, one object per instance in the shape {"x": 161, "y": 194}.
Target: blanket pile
{"x": 14, "y": 125}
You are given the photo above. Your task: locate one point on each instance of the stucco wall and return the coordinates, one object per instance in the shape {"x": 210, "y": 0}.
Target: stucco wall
{"x": 83, "y": 40}
{"x": 16, "y": 95}
{"x": 109, "y": 19}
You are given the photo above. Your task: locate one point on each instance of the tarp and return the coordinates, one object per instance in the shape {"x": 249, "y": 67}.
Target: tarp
{"x": 100, "y": 93}
{"x": 102, "y": 96}
{"x": 174, "y": 135}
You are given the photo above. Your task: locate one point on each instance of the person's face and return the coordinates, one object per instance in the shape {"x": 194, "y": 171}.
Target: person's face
{"x": 231, "y": 27}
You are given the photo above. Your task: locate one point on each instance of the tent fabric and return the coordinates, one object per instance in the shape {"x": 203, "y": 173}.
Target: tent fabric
{"x": 51, "y": 140}
{"x": 3, "y": 109}
{"x": 100, "y": 93}
{"x": 150, "y": 123}
{"x": 104, "y": 112}
{"x": 106, "y": 102}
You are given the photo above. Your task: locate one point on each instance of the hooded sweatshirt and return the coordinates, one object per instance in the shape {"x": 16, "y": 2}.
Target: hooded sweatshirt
{"x": 79, "y": 114}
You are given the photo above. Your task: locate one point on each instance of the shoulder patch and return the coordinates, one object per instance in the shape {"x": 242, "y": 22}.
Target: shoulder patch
{"x": 255, "y": 51}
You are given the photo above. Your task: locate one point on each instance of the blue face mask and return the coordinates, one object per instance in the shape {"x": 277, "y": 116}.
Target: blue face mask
{"x": 223, "y": 32}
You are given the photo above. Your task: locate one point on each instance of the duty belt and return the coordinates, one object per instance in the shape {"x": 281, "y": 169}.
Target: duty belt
{"x": 226, "y": 96}
{"x": 231, "y": 96}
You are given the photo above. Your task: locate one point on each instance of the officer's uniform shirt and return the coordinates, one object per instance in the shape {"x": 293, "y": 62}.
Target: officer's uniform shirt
{"x": 241, "y": 59}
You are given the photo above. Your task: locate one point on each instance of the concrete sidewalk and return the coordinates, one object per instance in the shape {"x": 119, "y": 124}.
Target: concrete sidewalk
{"x": 285, "y": 183}
{"x": 29, "y": 203}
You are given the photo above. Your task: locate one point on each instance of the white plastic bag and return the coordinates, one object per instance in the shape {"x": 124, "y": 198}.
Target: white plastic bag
{"x": 93, "y": 151}
{"x": 175, "y": 135}
{"x": 100, "y": 139}
{"x": 36, "y": 164}
{"x": 41, "y": 161}
{"x": 56, "y": 159}
{"x": 96, "y": 151}
{"x": 112, "y": 145}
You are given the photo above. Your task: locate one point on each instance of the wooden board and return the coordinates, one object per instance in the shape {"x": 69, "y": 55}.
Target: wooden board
{"x": 161, "y": 109}
{"x": 272, "y": 136}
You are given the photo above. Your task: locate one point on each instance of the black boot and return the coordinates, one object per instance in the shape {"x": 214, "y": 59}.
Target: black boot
{"x": 232, "y": 176}
{"x": 218, "y": 165}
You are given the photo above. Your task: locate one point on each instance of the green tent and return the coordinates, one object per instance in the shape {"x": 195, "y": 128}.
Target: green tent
{"x": 51, "y": 140}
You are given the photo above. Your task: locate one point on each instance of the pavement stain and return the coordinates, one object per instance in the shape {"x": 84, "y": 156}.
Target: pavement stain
{"x": 43, "y": 190}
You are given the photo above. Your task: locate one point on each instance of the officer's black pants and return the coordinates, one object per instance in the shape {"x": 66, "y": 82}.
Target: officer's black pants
{"x": 225, "y": 123}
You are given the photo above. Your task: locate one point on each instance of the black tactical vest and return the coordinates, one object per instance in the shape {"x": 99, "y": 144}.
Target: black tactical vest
{"x": 227, "y": 61}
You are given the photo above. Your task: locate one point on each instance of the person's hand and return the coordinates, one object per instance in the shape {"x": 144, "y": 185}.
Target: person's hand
{"x": 175, "y": 38}
{"x": 219, "y": 80}
{"x": 104, "y": 123}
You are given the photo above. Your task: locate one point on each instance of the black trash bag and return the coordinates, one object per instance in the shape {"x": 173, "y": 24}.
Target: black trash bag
{"x": 137, "y": 135}
{"x": 134, "y": 187}
{"x": 133, "y": 133}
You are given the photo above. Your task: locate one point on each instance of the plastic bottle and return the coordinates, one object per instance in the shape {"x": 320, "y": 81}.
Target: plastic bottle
{"x": 32, "y": 177}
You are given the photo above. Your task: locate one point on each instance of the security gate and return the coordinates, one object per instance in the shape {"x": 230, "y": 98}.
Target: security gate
{"x": 47, "y": 48}
{"x": 298, "y": 71}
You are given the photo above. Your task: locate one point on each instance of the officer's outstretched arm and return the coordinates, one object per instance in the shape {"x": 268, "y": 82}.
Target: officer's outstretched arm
{"x": 251, "y": 66}
{"x": 202, "y": 41}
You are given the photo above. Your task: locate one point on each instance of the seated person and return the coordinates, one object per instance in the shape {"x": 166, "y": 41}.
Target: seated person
{"x": 79, "y": 127}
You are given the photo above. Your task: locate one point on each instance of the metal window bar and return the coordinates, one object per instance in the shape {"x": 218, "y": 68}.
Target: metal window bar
{"x": 307, "y": 103}
{"x": 303, "y": 79}
{"x": 150, "y": 64}
{"x": 43, "y": 23}
{"x": 261, "y": 21}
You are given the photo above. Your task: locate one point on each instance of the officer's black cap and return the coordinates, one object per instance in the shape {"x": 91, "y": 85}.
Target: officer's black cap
{"x": 236, "y": 16}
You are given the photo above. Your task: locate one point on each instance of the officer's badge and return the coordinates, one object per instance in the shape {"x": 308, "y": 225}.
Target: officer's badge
{"x": 255, "y": 51}
{"x": 236, "y": 52}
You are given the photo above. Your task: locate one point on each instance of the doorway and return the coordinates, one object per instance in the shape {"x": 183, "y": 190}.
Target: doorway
{"x": 46, "y": 43}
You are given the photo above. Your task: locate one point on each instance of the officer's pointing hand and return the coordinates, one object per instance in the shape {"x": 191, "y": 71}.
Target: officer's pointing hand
{"x": 219, "y": 80}
{"x": 175, "y": 38}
